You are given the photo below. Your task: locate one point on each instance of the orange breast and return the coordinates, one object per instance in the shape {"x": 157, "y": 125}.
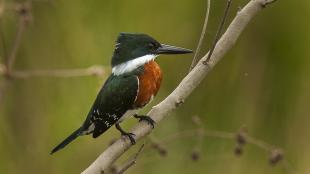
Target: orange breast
{"x": 149, "y": 83}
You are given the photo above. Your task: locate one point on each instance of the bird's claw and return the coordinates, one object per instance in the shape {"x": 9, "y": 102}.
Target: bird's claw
{"x": 130, "y": 136}
{"x": 148, "y": 119}
{"x": 127, "y": 134}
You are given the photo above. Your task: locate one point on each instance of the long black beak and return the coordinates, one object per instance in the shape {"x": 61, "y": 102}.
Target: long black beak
{"x": 168, "y": 49}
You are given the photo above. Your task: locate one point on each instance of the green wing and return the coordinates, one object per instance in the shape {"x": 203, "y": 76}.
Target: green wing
{"x": 116, "y": 97}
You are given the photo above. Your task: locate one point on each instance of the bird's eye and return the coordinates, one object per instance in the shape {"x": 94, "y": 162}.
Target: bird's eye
{"x": 151, "y": 46}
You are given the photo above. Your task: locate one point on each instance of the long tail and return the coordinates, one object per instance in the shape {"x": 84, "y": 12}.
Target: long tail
{"x": 68, "y": 140}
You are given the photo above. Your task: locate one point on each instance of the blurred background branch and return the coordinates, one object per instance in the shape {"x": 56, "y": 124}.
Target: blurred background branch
{"x": 274, "y": 154}
{"x": 24, "y": 12}
{"x": 25, "y": 17}
{"x": 95, "y": 70}
{"x": 241, "y": 137}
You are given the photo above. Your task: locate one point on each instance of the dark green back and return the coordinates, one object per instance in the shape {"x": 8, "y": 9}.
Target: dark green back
{"x": 114, "y": 99}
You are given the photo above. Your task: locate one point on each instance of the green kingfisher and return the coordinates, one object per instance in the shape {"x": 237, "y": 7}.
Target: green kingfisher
{"x": 134, "y": 81}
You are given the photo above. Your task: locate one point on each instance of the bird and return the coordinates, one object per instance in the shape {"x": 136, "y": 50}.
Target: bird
{"x": 134, "y": 81}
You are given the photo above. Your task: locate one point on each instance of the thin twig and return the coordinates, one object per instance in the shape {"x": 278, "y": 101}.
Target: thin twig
{"x": 12, "y": 55}
{"x": 200, "y": 137}
{"x": 259, "y": 143}
{"x": 219, "y": 31}
{"x": 193, "y": 133}
{"x": 154, "y": 143}
{"x": 2, "y": 7}
{"x": 2, "y": 40}
{"x": 4, "y": 49}
{"x": 132, "y": 161}
{"x": 23, "y": 11}
{"x": 218, "y": 134}
{"x": 288, "y": 167}
{"x": 2, "y": 69}
{"x": 3, "y": 85}
{"x": 268, "y": 2}
{"x": 202, "y": 35}
{"x": 276, "y": 154}
{"x": 95, "y": 70}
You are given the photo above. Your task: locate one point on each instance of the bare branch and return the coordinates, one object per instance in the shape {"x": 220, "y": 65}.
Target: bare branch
{"x": 219, "y": 134}
{"x": 2, "y": 37}
{"x": 2, "y": 7}
{"x": 95, "y": 70}
{"x": 188, "y": 84}
{"x": 200, "y": 137}
{"x": 2, "y": 69}
{"x": 2, "y": 41}
{"x": 3, "y": 87}
{"x": 202, "y": 35}
{"x": 24, "y": 13}
{"x": 241, "y": 137}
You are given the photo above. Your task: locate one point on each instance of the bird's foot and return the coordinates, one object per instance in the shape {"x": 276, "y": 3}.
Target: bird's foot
{"x": 127, "y": 134}
{"x": 130, "y": 136}
{"x": 148, "y": 119}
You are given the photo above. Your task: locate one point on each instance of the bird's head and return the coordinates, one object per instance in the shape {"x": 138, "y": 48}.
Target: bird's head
{"x": 134, "y": 50}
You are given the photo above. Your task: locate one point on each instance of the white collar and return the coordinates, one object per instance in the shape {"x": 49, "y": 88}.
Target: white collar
{"x": 132, "y": 64}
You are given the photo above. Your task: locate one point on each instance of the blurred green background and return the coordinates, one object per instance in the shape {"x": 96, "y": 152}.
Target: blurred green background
{"x": 263, "y": 83}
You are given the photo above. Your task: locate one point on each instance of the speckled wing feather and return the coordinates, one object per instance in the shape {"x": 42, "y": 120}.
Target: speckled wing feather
{"x": 116, "y": 97}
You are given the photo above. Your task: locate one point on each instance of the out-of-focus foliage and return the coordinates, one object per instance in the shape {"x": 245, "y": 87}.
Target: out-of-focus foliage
{"x": 262, "y": 83}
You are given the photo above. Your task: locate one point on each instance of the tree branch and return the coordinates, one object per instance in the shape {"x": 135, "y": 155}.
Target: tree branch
{"x": 188, "y": 84}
